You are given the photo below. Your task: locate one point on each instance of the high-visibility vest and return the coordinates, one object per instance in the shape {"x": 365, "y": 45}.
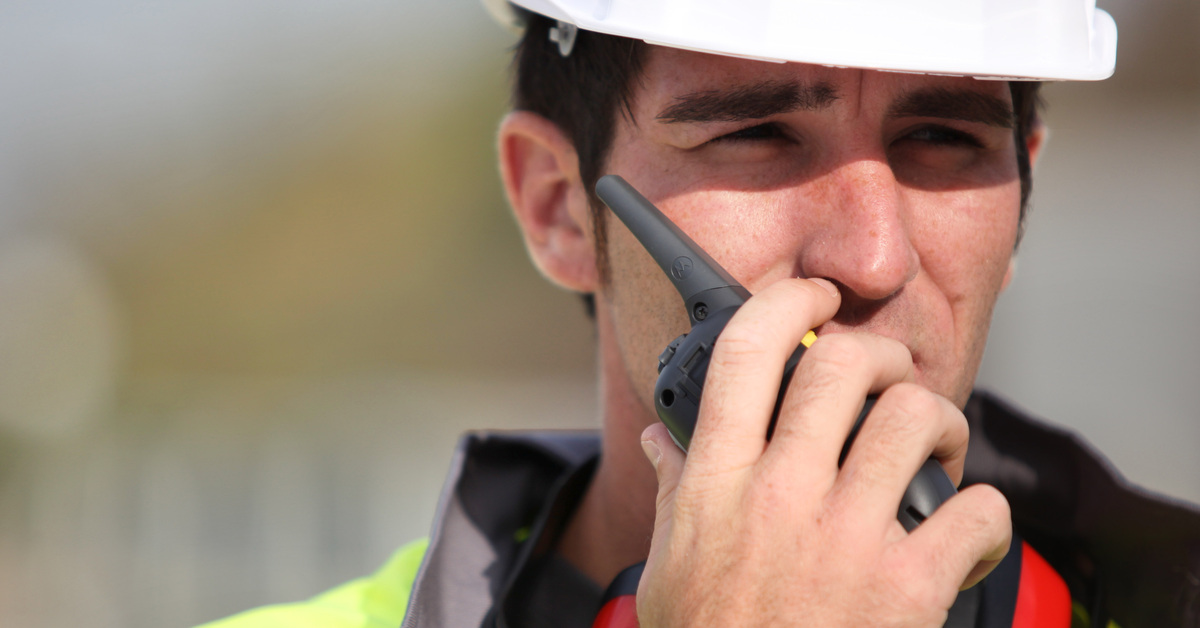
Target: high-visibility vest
{"x": 376, "y": 601}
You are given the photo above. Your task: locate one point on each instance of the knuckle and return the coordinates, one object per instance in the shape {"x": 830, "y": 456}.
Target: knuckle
{"x": 838, "y": 353}
{"x": 913, "y": 406}
{"x": 907, "y": 585}
{"x": 991, "y": 507}
{"x": 817, "y": 383}
{"x": 740, "y": 342}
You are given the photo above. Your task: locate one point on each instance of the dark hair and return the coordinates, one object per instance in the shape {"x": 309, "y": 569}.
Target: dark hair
{"x": 584, "y": 92}
{"x": 1027, "y": 105}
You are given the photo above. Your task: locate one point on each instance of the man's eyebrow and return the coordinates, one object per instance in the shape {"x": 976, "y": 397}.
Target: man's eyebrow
{"x": 954, "y": 104}
{"x": 748, "y": 102}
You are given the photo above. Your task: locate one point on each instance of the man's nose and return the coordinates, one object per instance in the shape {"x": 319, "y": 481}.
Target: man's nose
{"x": 864, "y": 240}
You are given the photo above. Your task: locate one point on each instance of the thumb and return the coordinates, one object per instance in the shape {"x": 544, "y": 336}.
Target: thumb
{"x": 667, "y": 459}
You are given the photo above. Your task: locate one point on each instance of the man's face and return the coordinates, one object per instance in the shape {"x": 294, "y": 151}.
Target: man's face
{"x": 902, "y": 189}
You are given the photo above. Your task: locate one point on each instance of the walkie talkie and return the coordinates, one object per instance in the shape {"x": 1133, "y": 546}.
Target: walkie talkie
{"x": 711, "y": 296}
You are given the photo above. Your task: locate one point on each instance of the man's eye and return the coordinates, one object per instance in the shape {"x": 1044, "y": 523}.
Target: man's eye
{"x": 758, "y": 132}
{"x": 944, "y": 136}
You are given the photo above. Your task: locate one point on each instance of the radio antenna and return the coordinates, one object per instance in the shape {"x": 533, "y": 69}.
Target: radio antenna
{"x": 705, "y": 286}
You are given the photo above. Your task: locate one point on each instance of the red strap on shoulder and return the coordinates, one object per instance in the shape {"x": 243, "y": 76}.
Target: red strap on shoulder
{"x": 619, "y": 608}
{"x": 619, "y": 612}
{"x": 1043, "y": 600}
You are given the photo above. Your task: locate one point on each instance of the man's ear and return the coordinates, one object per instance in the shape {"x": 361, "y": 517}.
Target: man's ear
{"x": 540, "y": 171}
{"x": 1036, "y": 142}
{"x": 1009, "y": 272}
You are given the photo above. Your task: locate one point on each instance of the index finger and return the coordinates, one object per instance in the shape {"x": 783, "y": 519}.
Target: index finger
{"x": 746, "y": 370}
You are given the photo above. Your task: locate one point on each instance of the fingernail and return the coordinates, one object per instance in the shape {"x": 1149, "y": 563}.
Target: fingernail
{"x": 652, "y": 452}
{"x": 826, "y": 284}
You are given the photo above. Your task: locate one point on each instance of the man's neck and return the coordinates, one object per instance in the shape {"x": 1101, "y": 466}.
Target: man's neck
{"x": 611, "y": 530}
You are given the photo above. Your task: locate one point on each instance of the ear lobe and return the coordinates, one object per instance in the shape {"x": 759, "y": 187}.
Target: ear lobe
{"x": 540, "y": 172}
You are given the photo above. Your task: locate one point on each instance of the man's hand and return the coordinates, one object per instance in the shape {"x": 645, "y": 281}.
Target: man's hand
{"x": 749, "y": 533}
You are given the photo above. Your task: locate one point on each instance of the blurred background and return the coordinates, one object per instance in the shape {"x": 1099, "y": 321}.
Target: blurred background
{"x": 256, "y": 275}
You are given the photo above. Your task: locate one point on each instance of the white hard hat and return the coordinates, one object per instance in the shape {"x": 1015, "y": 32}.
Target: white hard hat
{"x": 1002, "y": 39}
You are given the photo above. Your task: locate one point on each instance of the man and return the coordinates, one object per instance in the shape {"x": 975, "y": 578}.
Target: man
{"x": 880, "y": 209}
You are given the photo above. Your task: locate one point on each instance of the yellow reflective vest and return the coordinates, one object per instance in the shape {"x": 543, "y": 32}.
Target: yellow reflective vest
{"x": 376, "y": 601}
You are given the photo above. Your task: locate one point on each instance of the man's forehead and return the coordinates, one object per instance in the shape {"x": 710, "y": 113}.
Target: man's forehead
{"x": 668, "y": 71}
{"x": 672, "y": 74}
